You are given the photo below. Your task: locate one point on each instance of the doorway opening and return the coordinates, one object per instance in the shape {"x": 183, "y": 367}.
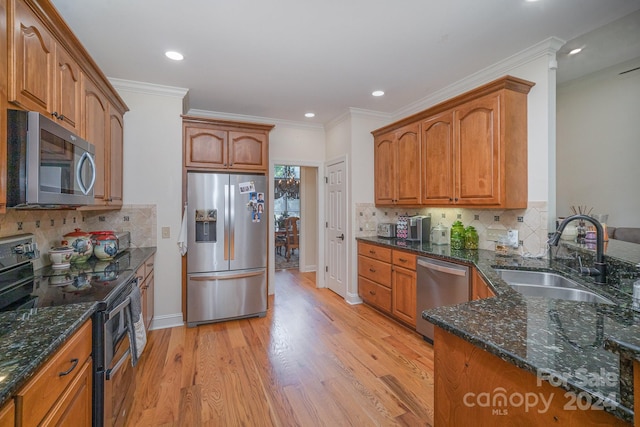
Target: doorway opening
{"x": 286, "y": 212}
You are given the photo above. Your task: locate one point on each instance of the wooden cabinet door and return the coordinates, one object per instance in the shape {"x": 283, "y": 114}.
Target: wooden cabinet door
{"x": 247, "y": 150}
{"x": 384, "y": 169}
{"x": 8, "y": 414}
{"x": 32, "y": 61}
{"x": 205, "y": 147}
{"x": 149, "y": 305}
{"x": 403, "y": 292}
{"x": 67, "y": 91}
{"x": 95, "y": 131}
{"x": 75, "y": 405}
{"x": 116, "y": 150}
{"x": 477, "y": 156}
{"x": 408, "y": 165}
{"x": 437, "y": 159}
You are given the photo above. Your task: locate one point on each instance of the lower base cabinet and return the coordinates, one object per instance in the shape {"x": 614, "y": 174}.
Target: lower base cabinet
{"x": 60, "y": 392}
{"x": 387, "y": 281}
{"x": 145, "y": 277}
{"x": 8, "y": 415}
{"x": 465, "y": 373}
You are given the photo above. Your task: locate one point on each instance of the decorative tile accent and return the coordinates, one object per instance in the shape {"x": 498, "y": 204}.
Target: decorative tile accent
{"x": 49, "y": 226}
{"x": 530, "y": 222}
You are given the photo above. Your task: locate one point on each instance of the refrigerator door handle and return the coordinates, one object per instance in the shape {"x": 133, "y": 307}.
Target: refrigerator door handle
{"x": 226, "y": 277}
{"x": 232, "y": 226}
{"x": 226, "y": 222}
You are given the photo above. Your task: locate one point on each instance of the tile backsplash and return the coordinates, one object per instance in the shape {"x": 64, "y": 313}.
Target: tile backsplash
{"x": 531, "y": 222}
{"x": 49, "y": 226}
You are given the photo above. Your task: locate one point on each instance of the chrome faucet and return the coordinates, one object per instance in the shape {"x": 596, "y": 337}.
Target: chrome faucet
{"x": 600, "y": 270}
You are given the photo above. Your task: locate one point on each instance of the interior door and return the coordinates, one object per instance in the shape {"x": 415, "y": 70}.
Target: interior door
{"x": 336, "y": 271}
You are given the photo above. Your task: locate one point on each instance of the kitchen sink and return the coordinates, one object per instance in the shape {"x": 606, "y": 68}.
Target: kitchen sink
{"x": 549, "y": 285}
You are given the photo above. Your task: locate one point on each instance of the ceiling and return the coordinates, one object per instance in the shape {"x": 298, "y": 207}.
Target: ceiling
{"x": 282, "y": 58}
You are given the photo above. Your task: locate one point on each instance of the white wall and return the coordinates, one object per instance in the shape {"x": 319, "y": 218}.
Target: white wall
{"x": 598, "y": 144}
{"x": 153, "y": 175}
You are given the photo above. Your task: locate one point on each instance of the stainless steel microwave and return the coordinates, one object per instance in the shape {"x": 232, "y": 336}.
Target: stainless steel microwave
{"x": 47, "y": 165}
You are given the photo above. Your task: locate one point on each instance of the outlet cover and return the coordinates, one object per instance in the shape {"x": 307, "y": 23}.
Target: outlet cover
{"x": 166, "y": 232}
{"x": 512, "y": 236}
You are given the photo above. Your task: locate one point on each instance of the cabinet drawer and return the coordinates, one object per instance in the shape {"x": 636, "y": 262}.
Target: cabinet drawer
{"x": 404, "y": 259}
{"x": 375, "y": 270}
{"x": 35, "y": 399}
{"x": 374, "y": 294}
{"x": 373, "y": 251}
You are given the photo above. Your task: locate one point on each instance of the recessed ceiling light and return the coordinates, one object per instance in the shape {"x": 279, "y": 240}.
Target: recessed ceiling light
{"x": 176, "y": 56}
{"x": 377, "y": 93}
{"x": 576, "y": 50}
{"x": 309, "y": 115}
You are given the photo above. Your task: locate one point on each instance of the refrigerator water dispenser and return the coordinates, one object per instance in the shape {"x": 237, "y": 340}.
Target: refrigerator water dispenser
{"x": 206, "y": 225}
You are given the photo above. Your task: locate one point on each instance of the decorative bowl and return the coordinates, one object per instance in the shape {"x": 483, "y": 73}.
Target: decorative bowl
{"x": 60, "y": 257}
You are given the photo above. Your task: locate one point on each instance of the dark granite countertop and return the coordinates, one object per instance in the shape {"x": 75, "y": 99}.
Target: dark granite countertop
{"x": 28, "y": 338}
{"x": 584, "y": 347}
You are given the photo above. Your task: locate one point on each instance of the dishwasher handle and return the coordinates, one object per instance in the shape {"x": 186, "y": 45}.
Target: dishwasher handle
{"x": 461, "y": 271}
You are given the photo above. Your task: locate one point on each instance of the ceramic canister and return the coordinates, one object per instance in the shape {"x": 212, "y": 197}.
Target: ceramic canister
{"x": 82, "y": 245}
{"x": 105, "y": 244}
{"x": 60, "y": 257}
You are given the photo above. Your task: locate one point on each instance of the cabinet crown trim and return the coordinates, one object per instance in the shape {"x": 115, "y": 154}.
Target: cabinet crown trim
{"x": 507, "y": 82}
{"x": 229, "y": 124}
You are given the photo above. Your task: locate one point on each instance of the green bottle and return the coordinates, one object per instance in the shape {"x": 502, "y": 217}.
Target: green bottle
{"x": 471, "y": 238}
{"x": 457, "y": 235}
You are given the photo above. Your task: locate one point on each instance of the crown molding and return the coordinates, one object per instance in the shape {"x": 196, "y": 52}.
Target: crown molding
{"x": 545, "y": 48}
{"x": 254, "y": 119}
{"x": 148, "y": 88}
{"x": 361, "y": 113}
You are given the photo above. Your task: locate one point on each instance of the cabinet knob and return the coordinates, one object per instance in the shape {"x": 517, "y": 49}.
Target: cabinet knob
{"x": 402, "y": 260}
{"x": 61, "y": 117}
{"x": 55, "y": 114}
{"x": 450, "y": 199}
{"x": 456, "y": 199}
{"x": 372, "y": 292}
{"x": 371, "y": 251}
{"x": 373, "y": 270}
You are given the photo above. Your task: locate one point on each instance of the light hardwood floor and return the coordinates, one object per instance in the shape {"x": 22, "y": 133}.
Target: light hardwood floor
{"x": 313, "y": 360}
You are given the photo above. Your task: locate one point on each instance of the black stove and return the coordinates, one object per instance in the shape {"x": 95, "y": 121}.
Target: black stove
{"x": 23, "y": 287}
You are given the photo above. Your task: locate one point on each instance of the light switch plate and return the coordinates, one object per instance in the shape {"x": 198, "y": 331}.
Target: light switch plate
{"x": 166, "y": 232}
{"x": 512, "y": 236}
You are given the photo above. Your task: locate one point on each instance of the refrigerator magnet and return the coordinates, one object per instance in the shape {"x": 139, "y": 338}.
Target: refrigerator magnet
{"x": 247, "y": 187}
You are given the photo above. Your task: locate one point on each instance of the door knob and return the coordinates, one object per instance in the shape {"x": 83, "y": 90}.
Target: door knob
{"x": 341, "y": 237}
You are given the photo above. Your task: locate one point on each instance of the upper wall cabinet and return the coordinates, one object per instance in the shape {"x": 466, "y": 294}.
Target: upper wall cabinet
{"x": 397, "y": 166}
{"x": 49, "y": 71}
{"x": 223, "y": 145}
{"x": 43, "y": 75}
{"x": 473, "y": 150}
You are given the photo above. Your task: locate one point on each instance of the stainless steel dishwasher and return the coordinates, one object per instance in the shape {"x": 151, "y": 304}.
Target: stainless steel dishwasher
{"x": 440, "y": 283}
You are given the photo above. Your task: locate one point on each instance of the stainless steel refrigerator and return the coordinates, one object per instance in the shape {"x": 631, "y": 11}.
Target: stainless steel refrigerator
{"x": 227, "y": 247}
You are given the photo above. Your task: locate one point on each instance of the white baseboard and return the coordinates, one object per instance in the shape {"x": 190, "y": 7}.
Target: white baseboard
{"x": 308, "y": 269}
{"x": 166, "y": 321}
{"x": 353, "y": 299}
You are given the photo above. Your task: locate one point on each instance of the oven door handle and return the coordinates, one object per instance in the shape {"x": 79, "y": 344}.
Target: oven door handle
{"x": 111, "y": 372}
{"x": 117, "y": 309}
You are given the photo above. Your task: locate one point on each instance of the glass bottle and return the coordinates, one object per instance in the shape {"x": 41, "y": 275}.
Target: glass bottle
{"x": 457, "y": 235}
{"x": 471, "y": 238}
